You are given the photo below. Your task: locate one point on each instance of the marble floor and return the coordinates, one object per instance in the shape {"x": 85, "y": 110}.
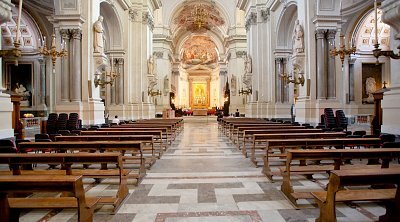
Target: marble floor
{"x": 203, "y": 177}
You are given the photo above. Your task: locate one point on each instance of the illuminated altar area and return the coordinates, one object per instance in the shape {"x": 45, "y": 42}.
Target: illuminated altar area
{"x": 199, "y": 81}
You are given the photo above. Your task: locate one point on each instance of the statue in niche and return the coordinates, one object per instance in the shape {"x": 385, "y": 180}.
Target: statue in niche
{"x": 99, "y": 35}
{"x": 151, "y": 66}
{"x": 233, "y": 85}
{"x": 247, "y": 65}
{"x": 298, "y": 35}
{"x": 370, "y": 87}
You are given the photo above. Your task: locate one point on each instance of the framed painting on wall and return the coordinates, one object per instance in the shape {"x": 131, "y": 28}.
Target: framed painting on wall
{"x": 20, "y": 81}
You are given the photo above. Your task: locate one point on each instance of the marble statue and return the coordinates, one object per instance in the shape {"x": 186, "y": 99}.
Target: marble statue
{"x": 370, "y": 88}
{"x": 247, "y": 65}
{"x": 98, "y": 35}
{"x": 298, "y": 35}
{"x": 151, "y": 66}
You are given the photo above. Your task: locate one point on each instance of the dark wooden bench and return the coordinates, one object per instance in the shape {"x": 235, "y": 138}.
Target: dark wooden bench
{"x": 132, "y": 147}
{"x": 146, "y": 140}
{"x": 14, "y": 184}
{"x": 336, "y": 157}
{"x": 248, "y": 135}
{"x": 170, "y": 130}
{"x": 18, "y": 161}
{"x": 165, "y": 138}
{"x": 339, "y": 178}
{"x": 277, "y": 148}
{"x": 259, "y": 141}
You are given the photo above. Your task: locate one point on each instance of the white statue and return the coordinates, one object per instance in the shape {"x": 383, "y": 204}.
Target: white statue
{"x": 151, "y": 66}
{"x": 247, "y": 65}
{"x": 98, "y": 35}
{"x": 298, "y": 35}
{"x": 370, "y": 87}
{"x": 21, "y": 90}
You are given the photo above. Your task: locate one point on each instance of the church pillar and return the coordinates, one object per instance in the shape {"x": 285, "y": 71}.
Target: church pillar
{"x": 208, "y": 91}
{"x": 321, "y": 64}
{"x": 65, "y": 67}
{"x": 113, "y": 96}
{"x": 279, "y": 86}
{"x": 42, "y": 94}
{"x": 75, "y": 78}
{"x": 331, "y": 65}
{"x": 120, "y": 81}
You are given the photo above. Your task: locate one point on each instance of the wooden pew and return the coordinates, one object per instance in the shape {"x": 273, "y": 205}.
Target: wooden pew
{"x": 17, "y": 161}
{"x": 133, "y": 147}
{"x": 147, "y": 140}
{"x": 165, "y": 136}
{"x": 170, "y": 131}
{"x": 156, "y": 133}
{"x": 12, "y": 184}
{"x": 259, "y": 141}
{"x": 234, "y": 130}
{"x": 337, "y": 157}
{"x": 248, "y": 134}
{"x": 282, "y": 145}
{"x": 391, "y": 197}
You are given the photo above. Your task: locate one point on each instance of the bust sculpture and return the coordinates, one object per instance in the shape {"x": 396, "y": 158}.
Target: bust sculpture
{"x": 370, "y": 88}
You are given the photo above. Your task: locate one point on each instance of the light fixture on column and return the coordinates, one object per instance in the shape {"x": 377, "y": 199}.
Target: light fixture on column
{"x": 247, "y": 91}
{"x": 53, "y": 50}
{"x": 342, "y": 52}
{"x": 377, "y": 51}
{"x": 152, "y": 93}
{"x": 15, "y": 52}
{"x": 297, "y": 80}
{"x": 107, "y": 77}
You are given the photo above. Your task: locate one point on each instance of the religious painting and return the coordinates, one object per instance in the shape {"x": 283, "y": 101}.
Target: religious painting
{"x": 20, "y": 81}
{"x": 199, "y": 50}
{"x": 199, "y": 95}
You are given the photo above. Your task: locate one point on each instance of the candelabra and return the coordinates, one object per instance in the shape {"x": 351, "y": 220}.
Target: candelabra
{"x": 297, "y": 80}
{"x": 14, "y": 52}
{"x": 103, "y": 81}
{"x": 377, "y": 51}
{"x": 342, "y": 52}
{"x": 247, "y": 91}
{"x": 152, "y": 93}
{"x": 53, "y": 50}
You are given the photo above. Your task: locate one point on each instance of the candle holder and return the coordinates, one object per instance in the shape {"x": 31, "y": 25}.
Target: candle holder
{"x": 247, "y": 91}
{"x": 14, "y": 52}
{"x": 53, "y": 50}
{"x": 297, "y": 80}
{"x": 342, "y": 52}
{"x": 152, "y": 93}
{"x": 111, "y": 76}
{"x": 377, "y": 52}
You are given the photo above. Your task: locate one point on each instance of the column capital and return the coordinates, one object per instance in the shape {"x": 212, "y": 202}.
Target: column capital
{"x": 119, "y": 61}
{"x": 264, "y": 14}
{"x": 65, "y": 33}
{"x": 320, "y": 33}
{"x": 147, "y": 19}
{"x": 76, "y": 33}
{"x": 331, "y": 33}
{"x": 251, "y": 20}
{"x": 133, "y": 14}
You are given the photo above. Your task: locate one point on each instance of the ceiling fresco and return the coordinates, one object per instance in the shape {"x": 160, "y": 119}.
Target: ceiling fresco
{"x": 199, "y": 51}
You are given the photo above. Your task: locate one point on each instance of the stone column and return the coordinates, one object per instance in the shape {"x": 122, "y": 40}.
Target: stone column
{"x": 65, "y": 67}
{"x": 278, "y": 71}
{"x": 321, "y": 64}
{"x": 76, "y": 77}
{"x": 208, "y": 91}
{"x": 285, "y": 91}
{"x": 331, "y": 65}
{"x": 42, "y": 94}
{"x": 113, "y": 95}
{"x": 120, "y": 82}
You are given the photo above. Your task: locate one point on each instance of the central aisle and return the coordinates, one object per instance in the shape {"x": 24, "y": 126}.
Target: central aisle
{"x": 203, "y": 177}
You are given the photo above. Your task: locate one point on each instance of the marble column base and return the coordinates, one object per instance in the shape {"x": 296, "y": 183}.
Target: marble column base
{"x": 391, "y": 111}
{"x": 251, "y": 110}
{"x": 122, "y": 111}
{"x": 6, "y": 108}
{"x": 281, "y": 110}
{"x": 148, "y": 111}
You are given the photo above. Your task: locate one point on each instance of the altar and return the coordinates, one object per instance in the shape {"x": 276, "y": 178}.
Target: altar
{"x": 199, "y": 112}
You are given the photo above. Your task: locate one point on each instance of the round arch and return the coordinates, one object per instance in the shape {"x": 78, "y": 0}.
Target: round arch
{"x": 285, "y": 26}
{"x": 112, "y": 26}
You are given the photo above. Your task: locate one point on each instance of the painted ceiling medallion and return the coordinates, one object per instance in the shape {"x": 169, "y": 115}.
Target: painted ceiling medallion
{"x": 199, "y": 51}
{"x": 199, "y": 17}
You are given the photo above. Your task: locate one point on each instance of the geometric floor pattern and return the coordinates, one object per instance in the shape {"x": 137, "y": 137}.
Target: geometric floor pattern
{"x": 203, "y": 177}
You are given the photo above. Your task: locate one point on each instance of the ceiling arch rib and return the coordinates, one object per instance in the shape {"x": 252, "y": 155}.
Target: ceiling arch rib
{"x": 285, "y": 27}
{"x": 112, "y": 27}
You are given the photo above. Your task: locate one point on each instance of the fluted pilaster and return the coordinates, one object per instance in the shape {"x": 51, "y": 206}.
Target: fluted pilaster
{"x": 321, "y": 64}
{"x": 76, "y": 77}
{"x": 65, "y": 67}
